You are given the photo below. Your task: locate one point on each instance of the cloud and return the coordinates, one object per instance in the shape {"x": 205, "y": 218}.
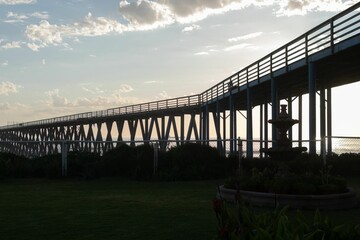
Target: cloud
{"x": 14, "y": 17}
{"x": 124, "y": 88}
{"x": 43, "y": 62}
{"x": 83, "y": 103}
{"x": 8, "y": 87}
{"x": 16, "y": 2}
{"x": 4, "y": 64}
{"x": 56, "y": 100}
{"x": 141, "y": 15}
{"x": 237, "y": 47}
{"x": 11, "y": 45}
{"x": 45, "y": 34}
{"x": 191, "y": 28}
{"x": 41, "y": 15}
{"x": 201, "y": 53}
{"x": 302, "y": 7}
{"x": 95, "y": 90}
{"x": 245, "y": 37}
{"x": 163, "y": 95}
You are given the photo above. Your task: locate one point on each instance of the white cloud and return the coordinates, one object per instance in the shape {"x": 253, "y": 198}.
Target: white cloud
{"x": 201, "y": 53}
{"x": 56, "y": 100}
{"x": 45, "y": 34}
{"x": 302, "y": 7}
{"x": 41, "y": 15}
{"x": 163, "y": 95}
{"x": 191, "y": 28}
{"x": 140, "y": 15}
{"x": 35, "y": 47}
{"x": 14, "y": 17}
{"x": 84, "y": 104}
{"x": 245, "y": 37}
{"x": 10, "y": 45}
{"x": 238, "y": 46}
{"x": 124, "y": 88}
{"x": 4, "y": 64}
{"x": 15, "y": 2}
{"x": 43, "y": 62}
{"x": 152, "y": 82}
{"x": 8, "y": 87}
{"x": 95, "y": 90}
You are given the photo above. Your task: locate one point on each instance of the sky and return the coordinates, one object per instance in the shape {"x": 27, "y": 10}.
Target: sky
{"x": 71, "y": 56}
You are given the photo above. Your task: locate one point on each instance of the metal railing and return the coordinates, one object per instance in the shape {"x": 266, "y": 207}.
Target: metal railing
{"x": 341, "y": 27}
{"x": 174, "y": 103}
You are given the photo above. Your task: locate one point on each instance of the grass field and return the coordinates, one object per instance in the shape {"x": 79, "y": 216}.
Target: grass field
{"x": 115, "y": 209}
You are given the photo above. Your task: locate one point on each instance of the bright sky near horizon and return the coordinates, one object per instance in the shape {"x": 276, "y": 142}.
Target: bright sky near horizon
{"x": 70, "y": 56}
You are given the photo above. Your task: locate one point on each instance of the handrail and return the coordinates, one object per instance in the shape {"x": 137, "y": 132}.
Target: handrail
{"x": 300, "y": 48}
{"x": 187, "y": 101}
{"x": 337, "y": 29}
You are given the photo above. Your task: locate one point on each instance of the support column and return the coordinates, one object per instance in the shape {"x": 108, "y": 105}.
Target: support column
{"x": 300, "y": 121}
{"x": 329, "y": 121}
{"x": 249, "y": 125}
{"x": 231, "y": 107}
{"x": 266, "y": 126}
{"x": 274, "y": 109}
{"x": 261, "y": 128}
{"x": 322, "y": 120}
{"x": 312, "y": 108}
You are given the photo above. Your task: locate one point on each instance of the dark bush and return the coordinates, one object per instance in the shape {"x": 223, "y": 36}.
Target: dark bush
{"x": 119, "y": 161}
{"x": 84, "y": 164}
{"x": 346, "y": 164}
{"x": 47, "y": 166}
{"x": 143, "y": 162}
{"x": 194, "y": 162}
{"x": 15, "y": 166}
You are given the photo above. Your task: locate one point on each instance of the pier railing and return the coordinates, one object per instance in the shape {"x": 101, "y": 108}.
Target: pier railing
{"x": 341, "y": 27}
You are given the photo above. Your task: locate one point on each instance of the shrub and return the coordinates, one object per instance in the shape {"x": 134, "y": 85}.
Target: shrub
{"x": 119, "y": 161}
{"x": 15, "y": 166}
{"x": 346, "y": 164}
{"x": 244, "y": 223}
{"x": 195, "y": 162}
{"x": 143, "y": 162}
{"x": 84, "y": 164}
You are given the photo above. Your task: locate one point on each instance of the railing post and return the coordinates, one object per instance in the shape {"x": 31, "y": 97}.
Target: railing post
{"x": 240, "y": 151}
{"x": 156, "y": 157}
{"x": 64, "y": 158}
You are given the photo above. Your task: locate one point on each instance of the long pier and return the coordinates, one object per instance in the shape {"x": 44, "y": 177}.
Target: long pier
{"x": 322, "y": 58}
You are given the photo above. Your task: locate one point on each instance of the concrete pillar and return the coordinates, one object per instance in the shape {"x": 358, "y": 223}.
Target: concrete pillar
{"x": 312, "y": 107}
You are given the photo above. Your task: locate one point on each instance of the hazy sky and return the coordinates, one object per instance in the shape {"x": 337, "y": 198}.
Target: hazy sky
{"x": 70, "y": 56}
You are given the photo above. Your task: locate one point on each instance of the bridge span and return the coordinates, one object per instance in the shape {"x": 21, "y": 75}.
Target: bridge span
{"x": 322, "y": 58}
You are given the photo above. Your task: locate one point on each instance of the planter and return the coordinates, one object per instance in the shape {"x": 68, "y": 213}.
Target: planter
{"x": 261, "y": 199}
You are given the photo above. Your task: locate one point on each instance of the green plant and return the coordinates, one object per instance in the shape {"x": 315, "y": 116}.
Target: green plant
{"x": 242, "y": 222}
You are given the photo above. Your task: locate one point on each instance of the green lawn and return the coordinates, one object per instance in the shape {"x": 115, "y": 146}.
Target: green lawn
{"x": 106, "y": 209}
{"x": 115, "y": 209}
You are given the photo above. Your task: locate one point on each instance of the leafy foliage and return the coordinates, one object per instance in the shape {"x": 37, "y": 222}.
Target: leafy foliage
{"x": 242, "y": 222}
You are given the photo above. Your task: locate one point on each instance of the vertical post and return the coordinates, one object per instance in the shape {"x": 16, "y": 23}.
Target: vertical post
{"x": 274, "y": 109}
{"x": 322, "y": 120}
{"x": 156, "y": 157}
{"x": 300, "y": 121}
{"x": 231, "y": 107}
{"x": 290, "y": 112}
{"x": 266, "y": 128}
{"x": 312, "y": 107}
{"x": 261, "y": 128}
{"x": 329, "y": 121}
{"x": 249, "y": 125}
{"x": 64, "y": 158}
{"x": 240, "y": 152}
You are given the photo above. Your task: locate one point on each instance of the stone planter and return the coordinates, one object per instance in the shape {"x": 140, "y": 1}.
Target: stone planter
{"x": 261, "y": 199}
